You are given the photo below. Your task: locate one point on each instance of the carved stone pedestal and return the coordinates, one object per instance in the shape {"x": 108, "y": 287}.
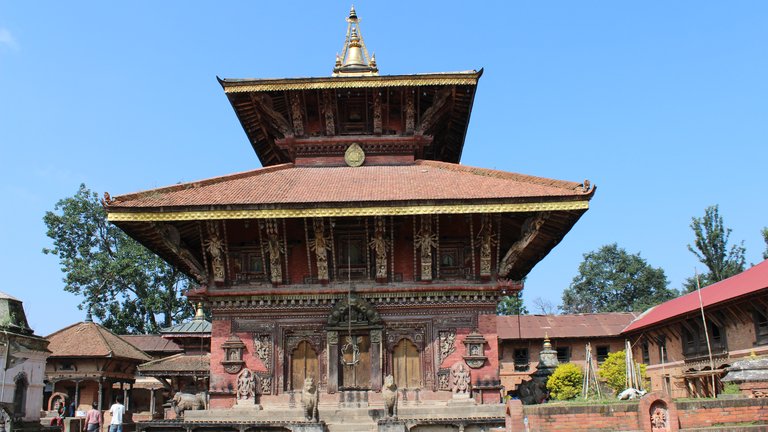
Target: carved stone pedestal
{"x": 392, "y": 425}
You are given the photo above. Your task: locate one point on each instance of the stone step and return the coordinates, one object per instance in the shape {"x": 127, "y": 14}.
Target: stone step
{"x": 352, "y": 427}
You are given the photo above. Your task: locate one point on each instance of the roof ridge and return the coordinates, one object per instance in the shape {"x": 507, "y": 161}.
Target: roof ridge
{"x": 63, "y": 329}
{"x": 103, "y": 339}
{"x": 102, "y": 329}
{"x": 488, "y": 172}
{"x": 200, "y": 183}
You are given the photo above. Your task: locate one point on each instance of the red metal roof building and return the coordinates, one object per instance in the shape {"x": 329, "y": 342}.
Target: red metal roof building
{"x": 672, "y": 337}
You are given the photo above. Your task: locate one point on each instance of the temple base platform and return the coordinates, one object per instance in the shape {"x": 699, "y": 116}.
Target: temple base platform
{"x": 427, "y": 415}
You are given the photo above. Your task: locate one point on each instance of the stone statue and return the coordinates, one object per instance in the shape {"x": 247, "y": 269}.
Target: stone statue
{"x": 246, "y": 386}
{"x": 389, "y": 393}
{"x": 187, "y": 402}
{"x": 659, "y": 417}
{"x": 460, "y": 379}
{"x": 309, "y": 399}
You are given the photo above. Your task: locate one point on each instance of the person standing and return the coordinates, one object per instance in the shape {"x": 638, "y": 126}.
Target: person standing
{"x": 93, "y": 419}
{"x": 117, "y": 410}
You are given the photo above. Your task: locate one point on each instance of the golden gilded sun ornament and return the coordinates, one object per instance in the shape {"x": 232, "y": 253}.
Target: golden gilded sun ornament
{"x": 354, "y": 156}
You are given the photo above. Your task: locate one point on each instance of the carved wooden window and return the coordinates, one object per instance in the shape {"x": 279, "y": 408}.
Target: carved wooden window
{"x": 761, "y": 326}
{"x": 353, "y": 113}
{"x": 695, "y": 341}
{"x": 406, "y": 366}
{"x": 522, "y": 363}
{"x": 452, "y": 261}
{"x": 564, "y": 354}
{"x": 356, "y": 376}
{"x": 248, "y": 265}
{"x": 303, "y": 365}
{"x": 352, "y": 259}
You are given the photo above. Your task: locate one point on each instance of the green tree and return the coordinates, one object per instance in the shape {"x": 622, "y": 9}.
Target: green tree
{"x": 614, "y": 371}
{"x": 511, "y": 305}
{"x": 711, "y": 248}
{"x": 124, "y": 284}
{"x": 612, "y": 280}
{"x": 565, "y": 382}
{"x": 765, "y": 238}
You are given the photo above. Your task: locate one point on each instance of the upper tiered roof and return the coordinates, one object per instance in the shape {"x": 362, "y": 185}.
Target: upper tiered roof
{"x": 424, "y": 116}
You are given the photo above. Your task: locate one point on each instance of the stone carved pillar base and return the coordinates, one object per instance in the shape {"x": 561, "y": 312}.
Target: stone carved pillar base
{"x": 391, "y": 425}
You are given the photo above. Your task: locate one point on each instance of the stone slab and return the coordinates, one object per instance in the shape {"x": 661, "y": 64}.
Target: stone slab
{"x": 392, "y": 426}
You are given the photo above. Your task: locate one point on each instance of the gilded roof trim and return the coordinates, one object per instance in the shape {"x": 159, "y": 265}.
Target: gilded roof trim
{"x": 115, "y": 215}
{"x": 244, "y": 86}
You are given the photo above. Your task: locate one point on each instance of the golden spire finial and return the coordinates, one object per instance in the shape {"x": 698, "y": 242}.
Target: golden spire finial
{"x": 354, "y": 59}
{"x": 547, "y": 344}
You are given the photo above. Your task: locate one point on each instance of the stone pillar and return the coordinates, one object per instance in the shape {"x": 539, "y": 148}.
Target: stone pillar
{"x": 333, "y": 362}
{"x": 152, "y": 403}
{"x": 77, "y": 396}
{"x": 376, "y": 360}
{"x": 101, "y": 393}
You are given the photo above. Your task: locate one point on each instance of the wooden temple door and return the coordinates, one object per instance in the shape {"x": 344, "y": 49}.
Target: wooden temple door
{"x": 356, "y": 375}
{"x": 303, "y": 365}
{"x": 406, "y": 365}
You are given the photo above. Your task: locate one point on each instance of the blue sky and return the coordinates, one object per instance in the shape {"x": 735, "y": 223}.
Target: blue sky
{"x": 663, "y": 105}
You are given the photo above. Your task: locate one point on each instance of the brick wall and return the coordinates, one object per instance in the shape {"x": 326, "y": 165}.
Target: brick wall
{"x": 633, "y": 415}
{"x": 568, "y": 417}
{"x": 706, "y": 413}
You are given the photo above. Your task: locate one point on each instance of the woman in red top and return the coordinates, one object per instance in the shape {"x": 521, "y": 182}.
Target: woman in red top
{"x": 93, "y": 419}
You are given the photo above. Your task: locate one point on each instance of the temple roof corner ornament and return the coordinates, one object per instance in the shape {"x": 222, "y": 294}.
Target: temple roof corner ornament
{"x": 354, "y": 59}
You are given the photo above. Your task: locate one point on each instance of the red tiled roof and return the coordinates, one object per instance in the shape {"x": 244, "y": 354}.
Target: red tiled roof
{"x": 152, "y": 343}
{"x": 747, "y": 282}
{"x": 88, "y": 339}
{"x": 290, "y": 184}
{"x": 562, "y": 326}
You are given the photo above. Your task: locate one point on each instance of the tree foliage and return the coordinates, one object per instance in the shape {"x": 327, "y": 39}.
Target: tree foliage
{"x": 765, "y": 238}
{"x": 612, "y": 280}
{"x": 614, "y": 371}
{"x": 711, "y": 248}
{"x": 511, "y": 305}
{"x": 126, "y": 286}
{"x": 565, "y": 382}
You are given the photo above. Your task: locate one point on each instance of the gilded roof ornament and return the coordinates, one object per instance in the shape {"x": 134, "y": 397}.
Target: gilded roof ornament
{"x": 354, "y": 59}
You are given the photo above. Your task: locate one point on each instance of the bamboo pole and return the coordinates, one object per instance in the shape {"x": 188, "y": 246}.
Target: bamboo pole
{"x": 706, "y": 334}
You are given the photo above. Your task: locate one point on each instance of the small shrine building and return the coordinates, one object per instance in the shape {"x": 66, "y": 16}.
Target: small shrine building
{"x": 362, "y": 248}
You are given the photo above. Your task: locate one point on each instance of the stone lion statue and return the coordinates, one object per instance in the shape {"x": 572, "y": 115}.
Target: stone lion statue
{"x": 389, "y": 393}
{"x": 309, "y": 399}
